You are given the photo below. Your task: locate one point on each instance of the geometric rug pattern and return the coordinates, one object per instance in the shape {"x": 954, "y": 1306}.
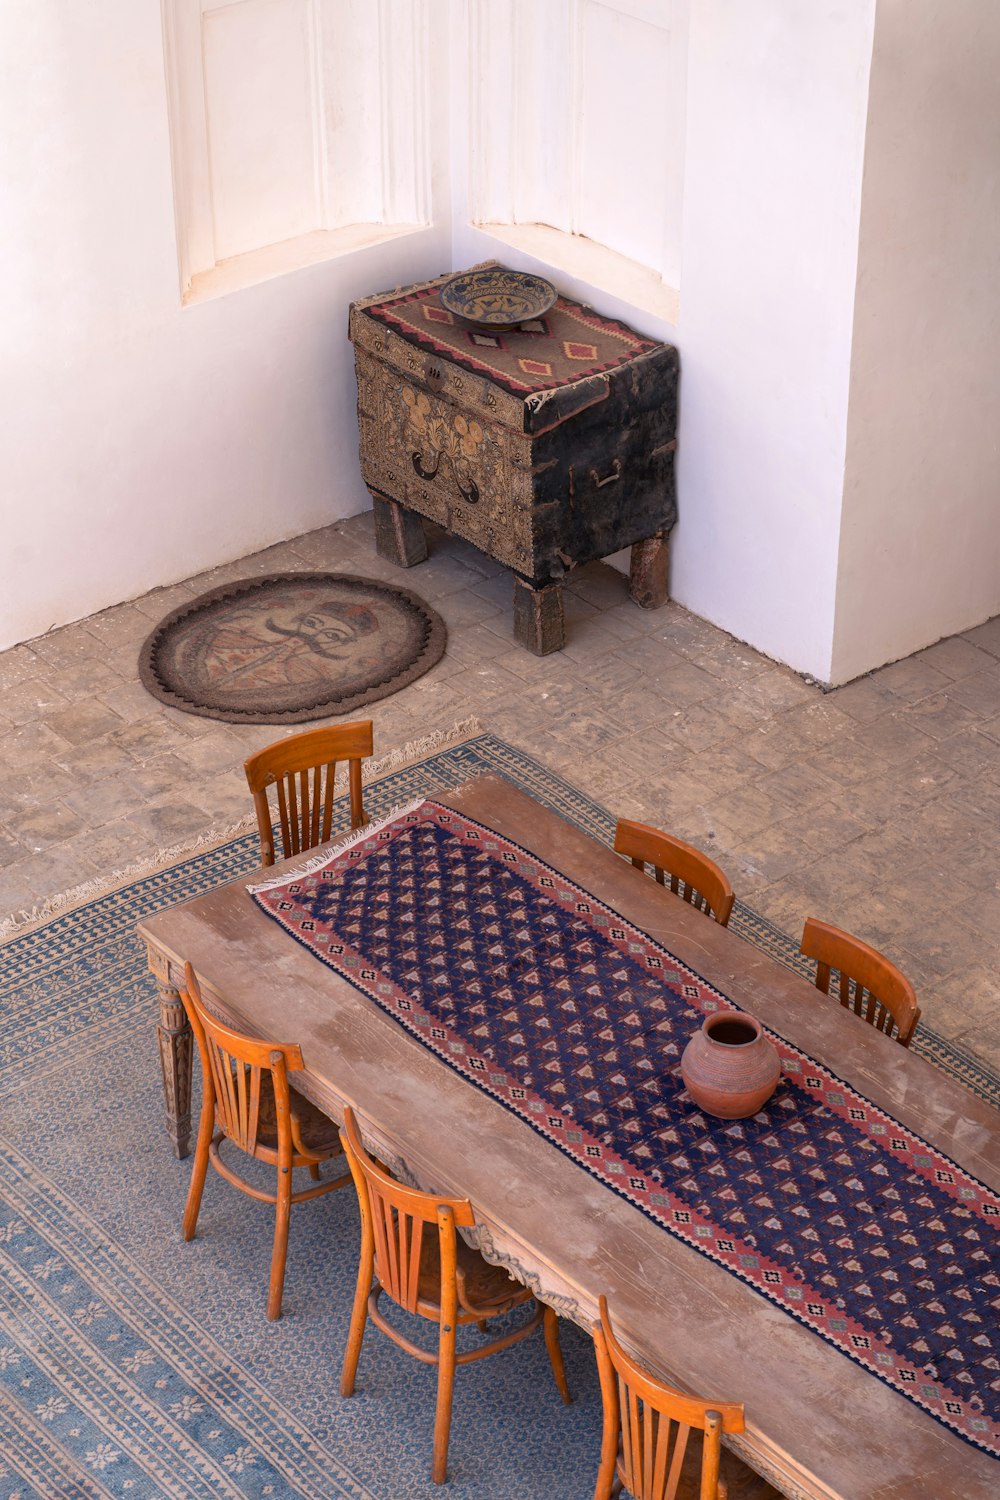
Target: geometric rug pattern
{"x": 134, "y": 1365}
{"x": 552, "y": 1003}
{"x": 560, "y": 348}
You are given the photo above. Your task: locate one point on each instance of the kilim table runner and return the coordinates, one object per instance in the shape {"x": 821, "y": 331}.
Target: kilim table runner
{"x": 575, "y": 1020}
{"x": 568, "y": 343}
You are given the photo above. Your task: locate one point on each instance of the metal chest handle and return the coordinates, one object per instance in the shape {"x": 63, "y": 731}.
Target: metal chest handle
{"x": 616, "y": 472}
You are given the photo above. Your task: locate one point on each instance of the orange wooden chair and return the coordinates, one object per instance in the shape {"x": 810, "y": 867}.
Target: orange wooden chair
{"x": 648, "y": 1427}
{"x": 435, "y": 1275}
{"x": 246, "y": 1098}
{"x": 302, "y": 770}
{"x": 692, "y": 875}
{"x": 881, "y": 994}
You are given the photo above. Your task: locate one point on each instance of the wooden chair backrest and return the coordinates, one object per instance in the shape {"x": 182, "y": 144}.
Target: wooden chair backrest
{"x": 692, "y": 875}
{"x": 302, "y": 770}
{"x": 232, "y": 1065}
{"x": 867, "y": 982}
{"x": 656, "y": 1421}
{"x": 397, "y": 1217}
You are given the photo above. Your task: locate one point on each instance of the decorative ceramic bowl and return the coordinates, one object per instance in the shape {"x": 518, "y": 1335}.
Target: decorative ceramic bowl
{"x": 729, "y": 1067}
{"x": 497, "y": 298}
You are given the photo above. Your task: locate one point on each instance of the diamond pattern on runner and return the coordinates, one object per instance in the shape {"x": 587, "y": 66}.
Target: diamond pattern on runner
{"x": 555, "y": 1005}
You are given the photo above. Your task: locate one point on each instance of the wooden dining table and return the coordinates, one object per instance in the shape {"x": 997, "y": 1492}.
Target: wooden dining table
{"x": 818, "y": 1425}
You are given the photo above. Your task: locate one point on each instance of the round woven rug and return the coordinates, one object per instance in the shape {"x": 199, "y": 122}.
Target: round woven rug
{"x": 291, "y": 647}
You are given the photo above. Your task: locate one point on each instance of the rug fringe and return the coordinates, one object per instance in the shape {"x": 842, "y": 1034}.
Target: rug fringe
{"x": 320, "y": 861}
{"x": 20, "y": 923}
{"x": 104, "y": 885}
{"x": 414, "y": 750}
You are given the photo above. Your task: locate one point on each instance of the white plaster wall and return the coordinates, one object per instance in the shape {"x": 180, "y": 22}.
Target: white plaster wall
{"x": 920, "y": 545}
{"x": 777, "y": 95}
{"x": 140, "y": 442}
{"x": 143, "y": 442}
{"x": 777, "y": 98}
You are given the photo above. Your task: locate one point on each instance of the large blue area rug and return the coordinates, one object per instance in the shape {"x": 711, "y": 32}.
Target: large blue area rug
{"x": 134, "y": 1365}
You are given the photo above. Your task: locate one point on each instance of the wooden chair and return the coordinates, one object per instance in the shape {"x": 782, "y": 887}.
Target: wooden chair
{"x": 693, "y": 876}
{"x": 435, "y": 1275}
{"x": 246, "y": 1098}
{"x": 648, "y": 1426}
{"x": 305, "y": 801}
{"x": 881, "y": 994}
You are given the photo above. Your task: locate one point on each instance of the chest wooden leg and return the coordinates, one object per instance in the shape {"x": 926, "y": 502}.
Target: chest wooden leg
{"x": 647, "y": 581}
{"x": 538, "y": 617}
{"x": 399, "y": 533}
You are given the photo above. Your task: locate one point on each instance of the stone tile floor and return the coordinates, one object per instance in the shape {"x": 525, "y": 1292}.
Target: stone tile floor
{"x": 875, "y": 806}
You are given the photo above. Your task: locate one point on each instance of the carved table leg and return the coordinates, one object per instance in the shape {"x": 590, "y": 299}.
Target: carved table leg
{"x": 176, "y": 1058}
{"x": 399, "y": 533}
{"x": 647, "y": 580}
{"x": 538, "y": 617}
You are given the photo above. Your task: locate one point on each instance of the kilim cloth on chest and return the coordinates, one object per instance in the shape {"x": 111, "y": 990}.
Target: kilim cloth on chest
{"x": 567, "y": 344}
{"x": 573, "y": 1019}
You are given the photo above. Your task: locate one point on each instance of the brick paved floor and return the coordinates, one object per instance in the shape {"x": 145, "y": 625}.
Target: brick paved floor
{"x": 876, "y": 806}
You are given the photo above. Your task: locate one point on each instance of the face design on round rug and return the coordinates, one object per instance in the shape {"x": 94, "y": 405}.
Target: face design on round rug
{"x": 289, "y": 648}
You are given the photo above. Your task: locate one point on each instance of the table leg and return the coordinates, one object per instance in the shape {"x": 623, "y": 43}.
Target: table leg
{"x": 647, "y": 580}
{"x": 538, "y": 617}
{"x": 176, "y": 1060}
{"x": 399, "y": 533}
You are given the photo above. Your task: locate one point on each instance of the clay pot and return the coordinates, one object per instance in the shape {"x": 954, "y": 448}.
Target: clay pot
{"x": 729, "y": 1067}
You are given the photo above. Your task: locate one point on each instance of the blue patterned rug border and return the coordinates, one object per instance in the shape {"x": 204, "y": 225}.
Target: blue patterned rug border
{"x": 103, "y": 1344}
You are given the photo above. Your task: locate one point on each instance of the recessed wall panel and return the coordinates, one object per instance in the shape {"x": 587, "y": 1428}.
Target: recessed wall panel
{"x": 625, "y": 132}
{"x": 259, "y": 93}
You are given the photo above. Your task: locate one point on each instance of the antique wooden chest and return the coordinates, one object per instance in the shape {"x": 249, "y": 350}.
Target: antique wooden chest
{"x": 546, "y": 446}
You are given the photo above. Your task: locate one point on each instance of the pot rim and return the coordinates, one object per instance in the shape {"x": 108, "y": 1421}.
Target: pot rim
{"x": 720, "y": 1016}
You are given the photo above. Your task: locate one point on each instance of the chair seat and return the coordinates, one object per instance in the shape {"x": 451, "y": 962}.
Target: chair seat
{"x": 411, "y": 1249}
{"x": 488, "y": 1288}
{"x": 741, "y": 1483}
{"x": 242, "y": 1078}
{"x": 318, "y": 1133}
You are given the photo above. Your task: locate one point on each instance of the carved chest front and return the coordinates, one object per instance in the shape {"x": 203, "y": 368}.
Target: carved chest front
{"x": 547, "y": 446}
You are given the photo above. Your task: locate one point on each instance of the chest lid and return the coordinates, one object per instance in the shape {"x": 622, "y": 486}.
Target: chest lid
{"x": 532, "y": 377}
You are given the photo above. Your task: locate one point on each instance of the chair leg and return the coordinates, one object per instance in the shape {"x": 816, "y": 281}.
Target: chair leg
{"x": 206, "y": 1128}
{"x": 359, "y": 1317}
{"x": 282, "y": 1212}
{"x": 314, "y": 1170}
{"x": 550, "y": 1324}
{"x": 442, "y": 1415}
{"x": 609, "y": 1485}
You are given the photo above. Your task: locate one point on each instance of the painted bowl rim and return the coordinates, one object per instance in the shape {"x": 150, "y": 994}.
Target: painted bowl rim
{"x": 546, "y": 300}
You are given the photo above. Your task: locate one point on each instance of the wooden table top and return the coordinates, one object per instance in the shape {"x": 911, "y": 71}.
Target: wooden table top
{"x": 817, "y": 1424}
